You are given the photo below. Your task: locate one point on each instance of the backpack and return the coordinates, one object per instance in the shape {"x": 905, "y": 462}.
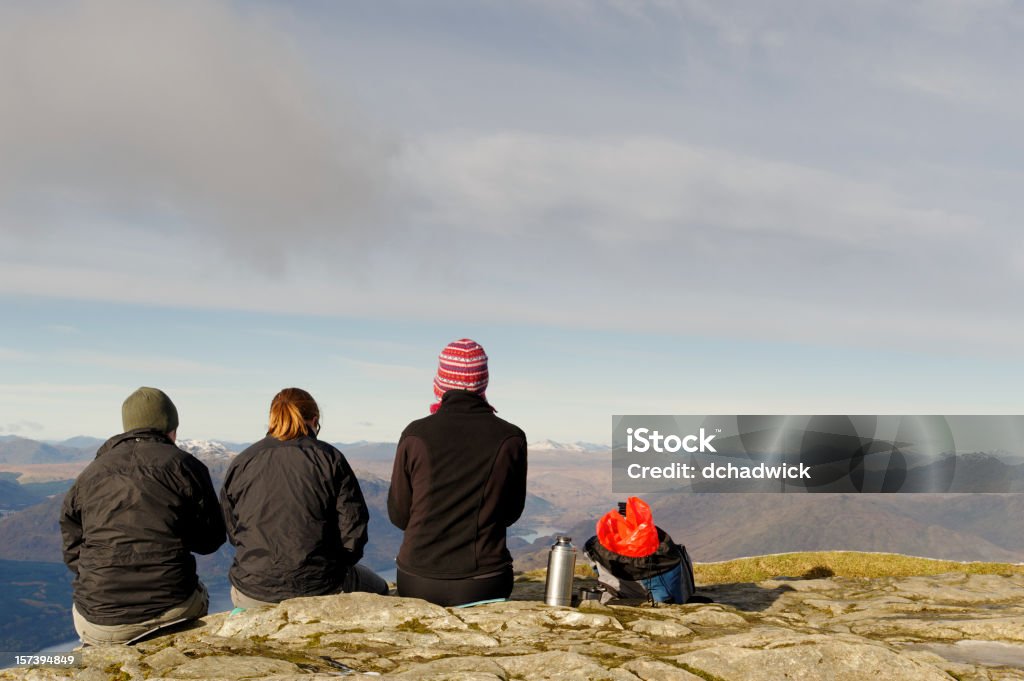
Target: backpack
{"x": 635, "y": 558}
{"x": 665, "y": 576}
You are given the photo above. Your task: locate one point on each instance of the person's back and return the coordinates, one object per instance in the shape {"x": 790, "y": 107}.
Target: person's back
{"x": 130, "y": 524}
{"x": 297, "y": 518}
{"x": 458, "y": 482}
{"x": 294, "y": 512}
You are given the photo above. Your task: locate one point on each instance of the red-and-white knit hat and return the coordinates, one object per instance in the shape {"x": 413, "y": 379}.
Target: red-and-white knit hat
{"x": 462, "y": 365}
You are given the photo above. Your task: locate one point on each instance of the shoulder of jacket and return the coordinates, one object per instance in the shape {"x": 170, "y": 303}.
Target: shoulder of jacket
{"x": 267, "y": 444}
{"x": 161, "y": 461}
{"x": 416, "y": 427}
{"x": 511, "y": 429}
{"x": 142, "y": 452}
{"x": 323, "y": 445}
{"x": 330, "y": 451}
{"x": 169, "y": 452}
{"x": 412, "y": 441}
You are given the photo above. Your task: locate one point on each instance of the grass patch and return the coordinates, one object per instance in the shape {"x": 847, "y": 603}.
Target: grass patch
{"x": 414, "y": 626}
{"x": 707, "y": 676}
{"x": 582, "y": 571}
{"x": 116, "y": 673}
{"x": 817, "y": 564}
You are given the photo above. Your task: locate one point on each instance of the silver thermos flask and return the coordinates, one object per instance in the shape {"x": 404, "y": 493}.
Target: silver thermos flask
{"x": 561, "y": 569}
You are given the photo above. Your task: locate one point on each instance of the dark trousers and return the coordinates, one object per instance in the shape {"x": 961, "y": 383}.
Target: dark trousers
{"x": 449, "y": 592}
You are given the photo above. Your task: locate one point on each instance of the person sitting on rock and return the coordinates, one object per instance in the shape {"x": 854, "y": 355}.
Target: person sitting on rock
{"x": 295, "y": 513}
{"x": 130, "y": 524}
{"x": 459, "y": 481}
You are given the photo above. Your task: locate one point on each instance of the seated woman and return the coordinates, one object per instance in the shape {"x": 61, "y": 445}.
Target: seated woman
{"x": 459, "y": 481}
{"x": 294, "y": 513}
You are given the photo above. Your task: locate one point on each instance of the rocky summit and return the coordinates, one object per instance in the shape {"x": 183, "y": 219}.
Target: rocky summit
{"x": 954, "y": 626}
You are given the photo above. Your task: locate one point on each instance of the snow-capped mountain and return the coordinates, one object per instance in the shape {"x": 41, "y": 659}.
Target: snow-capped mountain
{"x": 212, "y": 450}
{"x": 552, "y": 446}
{"x": 209, "y": 450}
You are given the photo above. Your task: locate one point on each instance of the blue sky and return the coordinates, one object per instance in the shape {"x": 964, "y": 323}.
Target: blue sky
{"x": 663, "y": 206}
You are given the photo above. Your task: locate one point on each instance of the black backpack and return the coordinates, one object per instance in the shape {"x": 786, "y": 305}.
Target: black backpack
{"x": 665, "y": 576}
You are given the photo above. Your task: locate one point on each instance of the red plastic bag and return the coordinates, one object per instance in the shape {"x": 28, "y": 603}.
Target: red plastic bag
{"x": 634, "y": 536}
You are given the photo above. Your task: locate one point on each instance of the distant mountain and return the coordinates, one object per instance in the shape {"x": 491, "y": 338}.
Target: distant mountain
{"x": 33, "y": 534}
{"x": 82, "y": 442}
{"x": 13, "y": 496}
{"x": 724, "y": 526}
{"x": 367, "y": 451}
{"x": 207, "y": 450}
{"x": 984, "y": 527}
{"x": 965, "y": 473}
{"x": 552, "y": 445}
{"x": 42, "y": 490}
{"x": 35, "y": 599}
{"x": 997, "y": 518}
{"x": 19, "y": 450}
{"x": 983, "y": 471}
{"x": 234, "y": 446}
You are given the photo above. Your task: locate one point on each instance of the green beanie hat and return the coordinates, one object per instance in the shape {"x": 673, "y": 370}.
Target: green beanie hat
{"x": 149, "y": 408}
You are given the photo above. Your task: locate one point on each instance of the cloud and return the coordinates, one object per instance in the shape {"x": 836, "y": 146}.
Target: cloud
{"x": 184, "y": 115}
{"x": 637, "y": 233}
{"x": 13, "y": 390}
{"x": 142, "y": 363}
{"x": 775, "y": 172}
{"x": 12, "y": 355}
{"x": 385, "y": 371}
{"x": 22, "y": 428}
{"x": 64, "y": 329}
{"x": 963, "y": 52}
{"x": 634, "y": 188}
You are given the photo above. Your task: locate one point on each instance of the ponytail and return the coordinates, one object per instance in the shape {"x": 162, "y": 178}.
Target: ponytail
{"x": 289, "y": 411}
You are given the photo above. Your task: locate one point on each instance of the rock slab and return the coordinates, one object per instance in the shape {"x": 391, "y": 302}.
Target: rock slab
{"x": 911, "y": 629}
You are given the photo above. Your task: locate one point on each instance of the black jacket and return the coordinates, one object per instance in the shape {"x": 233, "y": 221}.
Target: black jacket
{"x": 296, "y": 516}
{"x": 130, "y": 525}
{"x": 459, "y": 481}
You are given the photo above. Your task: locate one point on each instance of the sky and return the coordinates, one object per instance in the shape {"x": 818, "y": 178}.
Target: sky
{"x": 635, "y": 206}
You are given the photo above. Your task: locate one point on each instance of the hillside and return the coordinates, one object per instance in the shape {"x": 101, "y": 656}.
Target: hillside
{"x": 567, "y": 496}
{"x": 35, "y": 599}
{"x": 730, "y": 526}
{"x": 14, "y": 496}
{"x": 32, "y": 534}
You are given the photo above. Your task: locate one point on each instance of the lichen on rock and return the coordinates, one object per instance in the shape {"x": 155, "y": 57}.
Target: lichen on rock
{"x": 835, "y": 628}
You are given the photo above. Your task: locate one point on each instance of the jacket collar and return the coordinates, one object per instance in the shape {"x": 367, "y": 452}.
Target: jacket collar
{"x": 464, "y": 402}
{"x": 151, "y": 434}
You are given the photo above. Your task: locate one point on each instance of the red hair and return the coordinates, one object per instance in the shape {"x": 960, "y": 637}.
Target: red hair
{"x": 289, "y": 412}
